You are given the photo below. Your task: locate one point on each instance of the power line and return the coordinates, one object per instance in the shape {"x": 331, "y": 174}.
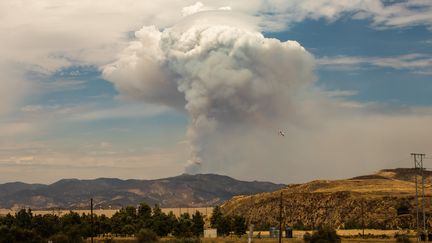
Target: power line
{"x": 418, "y": 165}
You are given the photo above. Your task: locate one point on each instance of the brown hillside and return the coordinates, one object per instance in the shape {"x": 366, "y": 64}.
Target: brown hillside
{"x": 386, "y": 199}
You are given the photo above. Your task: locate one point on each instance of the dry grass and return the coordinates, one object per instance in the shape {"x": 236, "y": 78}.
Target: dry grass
{"x": 243, "y": 240}
{"x": 298, "y": 237}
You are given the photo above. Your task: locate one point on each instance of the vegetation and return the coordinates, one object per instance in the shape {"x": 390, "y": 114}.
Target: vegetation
{"x": 403, "y": 238}
{"x": 144, "y": 223}
{"x": 323, "y": 235}
{"x": 147, "y": 236}
{"x": 384, "y": 200}
{"x": 72, "y": 227}
{"x": 226, "y": 224}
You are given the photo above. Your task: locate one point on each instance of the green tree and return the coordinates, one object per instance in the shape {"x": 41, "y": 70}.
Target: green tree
{"x": 171, "y": 222}
{"x": 103, "y": 224}
{"x": 24, "y": 219}
{"x": 239, "y": 225}
{"x": 72, "y": 227}
{"x": 5, "y": 234}
{"x": 216, "y": 217}
{"x": 7, "y": 220}
{"x": 183, "y": 227}
{"x": 222, "y": 223}
{"x": 225, "y": 226}
{"x": 197, "y": 224}
{"x": 128, "y": 229}
{"x": 46, "y": 225}
{"x": 144, "y": 211}
{"x": 161, "y": 223}
{"x": 126, "y": 216}
{"x": 18, "y": 235}
{"x": 74, "y": 233}
{"x": 71, "y": 218}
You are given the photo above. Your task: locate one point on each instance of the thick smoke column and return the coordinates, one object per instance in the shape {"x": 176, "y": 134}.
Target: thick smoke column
{"x": 226, "y": 76}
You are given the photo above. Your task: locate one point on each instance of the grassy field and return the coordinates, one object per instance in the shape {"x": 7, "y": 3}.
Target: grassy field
{"x": 348, "y": 236}
{"x": 241, "y": 240}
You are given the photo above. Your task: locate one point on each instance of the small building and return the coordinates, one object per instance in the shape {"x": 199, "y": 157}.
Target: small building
{"x": 210, "y": 233}
{"x": 273, "y": 232}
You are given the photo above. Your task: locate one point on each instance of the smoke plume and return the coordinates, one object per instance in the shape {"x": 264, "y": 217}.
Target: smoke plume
{"x": 235, "y": 84}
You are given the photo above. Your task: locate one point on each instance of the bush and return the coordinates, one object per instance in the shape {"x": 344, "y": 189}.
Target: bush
{"x": 146, "y": 236}
{"x": 59, "y": 238}
{"x": 128, "y": 229}
{"x": 307, "y": 237}
{"x": 108, "y": 240}
{"x": 323, "y": 235}
{"x": 186, "y": 240}
{"x": 403, "y": 238}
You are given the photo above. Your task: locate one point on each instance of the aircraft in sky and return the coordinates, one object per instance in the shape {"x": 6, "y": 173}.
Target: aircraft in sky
{"x": 282, "y": 133}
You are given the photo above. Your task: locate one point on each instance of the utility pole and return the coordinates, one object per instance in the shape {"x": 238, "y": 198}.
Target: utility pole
{"x": 280, "y": 219}
{"x": 418, "y": 165}
{"x": 251, "y": 225}
{"x": 362, "y": 218}
{"x": 91, "y": 220}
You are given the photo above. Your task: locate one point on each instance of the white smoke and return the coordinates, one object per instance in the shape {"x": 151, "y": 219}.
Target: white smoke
{"x": 227, "y": 76}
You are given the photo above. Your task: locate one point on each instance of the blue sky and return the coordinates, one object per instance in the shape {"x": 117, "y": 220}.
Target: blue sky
{"x": 61, "y": 118}
{"x": 346, "y": 37}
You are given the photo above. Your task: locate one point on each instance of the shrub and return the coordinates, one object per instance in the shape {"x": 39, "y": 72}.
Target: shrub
{"x": 146, "y": 236}
{"x": 59, "y": 238}
{"x": 403, "y": 238}
{"x": 128, "y": 229}
{"x": 307, "y": 237}
{"x": 186, "y": 240}
{"x": 108, "y": 240}
{"x": 323, "y": 235}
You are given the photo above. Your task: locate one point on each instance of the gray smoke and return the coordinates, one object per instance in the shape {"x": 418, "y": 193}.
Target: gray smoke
{"x": 234, "y": 83}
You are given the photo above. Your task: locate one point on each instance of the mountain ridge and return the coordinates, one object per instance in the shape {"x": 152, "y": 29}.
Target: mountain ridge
{"x": 178, "y": 191}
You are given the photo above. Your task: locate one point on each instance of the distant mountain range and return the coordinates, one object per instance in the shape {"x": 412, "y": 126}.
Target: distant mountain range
{"x": 180, "y": 191}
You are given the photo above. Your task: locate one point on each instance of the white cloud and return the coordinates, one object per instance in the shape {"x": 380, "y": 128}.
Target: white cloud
{"x": 199, "y": 7}
{"x": 390, "y": 15}
{"x": 420, "y": 63}
{"x": 63, "y": 33}
{"x": 45, "y": 35}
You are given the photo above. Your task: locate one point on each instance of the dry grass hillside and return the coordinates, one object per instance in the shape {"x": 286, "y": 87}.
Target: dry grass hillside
{"x": 382, "y": 200}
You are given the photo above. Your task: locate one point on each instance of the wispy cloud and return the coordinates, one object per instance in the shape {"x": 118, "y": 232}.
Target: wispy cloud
{"x": 340, "y": 93}
{"x": 61, "y": 85}
{"x": 418, "y": 63}
{"x": 51, "y": 162}
{"x": 123, "y": 111}
{"x": 398, "y": 14}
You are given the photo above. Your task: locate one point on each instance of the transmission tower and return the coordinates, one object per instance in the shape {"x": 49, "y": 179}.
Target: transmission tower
{"x": 418, "y": 165}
